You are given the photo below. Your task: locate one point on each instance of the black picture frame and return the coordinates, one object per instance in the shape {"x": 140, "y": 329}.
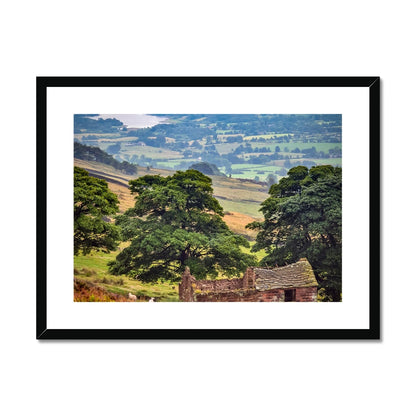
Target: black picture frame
{"x": 372, "y": 333}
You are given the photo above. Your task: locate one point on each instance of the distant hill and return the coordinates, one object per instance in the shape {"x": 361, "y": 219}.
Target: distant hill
{"x": 84, "y": 152}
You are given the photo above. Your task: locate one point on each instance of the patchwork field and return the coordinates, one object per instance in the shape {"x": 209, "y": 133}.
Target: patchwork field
{"x": 148, "y": 151}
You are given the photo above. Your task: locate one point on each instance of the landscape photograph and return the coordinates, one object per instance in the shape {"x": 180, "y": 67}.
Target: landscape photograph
{"x": 207, "y": 207}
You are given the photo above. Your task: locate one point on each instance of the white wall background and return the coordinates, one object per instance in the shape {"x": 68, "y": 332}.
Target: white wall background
{"x": 205, "y": 38}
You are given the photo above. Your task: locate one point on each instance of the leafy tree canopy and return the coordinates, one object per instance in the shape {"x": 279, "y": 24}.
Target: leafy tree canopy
{"x": 93, "y": 202}
{"x": 176, "y": 222}
{"x": 271, "y": 179}
{"x": 303, "y": 218}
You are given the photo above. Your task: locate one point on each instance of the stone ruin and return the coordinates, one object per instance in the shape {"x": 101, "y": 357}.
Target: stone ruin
{"x": 292, "y": 283}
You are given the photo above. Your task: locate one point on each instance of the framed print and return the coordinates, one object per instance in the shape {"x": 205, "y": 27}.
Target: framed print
{"x": 208, "y": 208}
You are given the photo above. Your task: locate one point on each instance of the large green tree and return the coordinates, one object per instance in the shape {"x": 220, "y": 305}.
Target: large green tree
{"x": 303, "y": 218}
{"x": 93, "y": 203}
{"x": 176, "y": 222}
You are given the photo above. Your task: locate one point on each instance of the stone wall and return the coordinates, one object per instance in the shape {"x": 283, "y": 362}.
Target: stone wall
{"x": 306, "y": 294}
{"x": 242, "y": 295}
{"x": 303, "y": 294}
{"x": 189, "y": 286}
{"x": 186, "y": 286}
{"x": 249, "y": 278}
{"x": 218, "y": 285}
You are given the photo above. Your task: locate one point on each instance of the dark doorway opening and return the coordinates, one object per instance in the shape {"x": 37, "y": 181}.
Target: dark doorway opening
{"x": 290, "y": 295}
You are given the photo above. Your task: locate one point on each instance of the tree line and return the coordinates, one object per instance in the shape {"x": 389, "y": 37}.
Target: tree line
{"x": 91, "y": 153}
{"x": 84, "y": 123}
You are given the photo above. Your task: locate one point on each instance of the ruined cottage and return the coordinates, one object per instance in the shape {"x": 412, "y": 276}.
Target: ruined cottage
{"x": 292, "y": 283}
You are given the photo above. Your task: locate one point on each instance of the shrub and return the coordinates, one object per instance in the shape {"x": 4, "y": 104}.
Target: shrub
{"x": 88, "y": 292}
{"x": 88, "y": 272}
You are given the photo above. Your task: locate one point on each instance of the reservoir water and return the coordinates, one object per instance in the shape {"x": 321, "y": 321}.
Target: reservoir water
{"x": 134, "y": 120}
